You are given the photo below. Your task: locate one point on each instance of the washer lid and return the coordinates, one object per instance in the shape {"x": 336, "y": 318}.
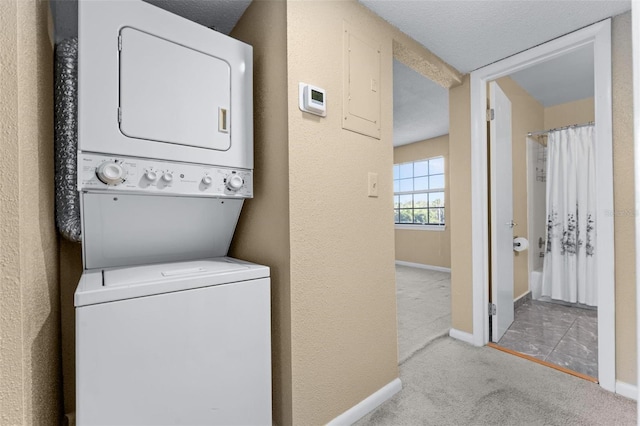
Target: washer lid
{"x": 108, "y": 285}
{"x": 170, "y": 272}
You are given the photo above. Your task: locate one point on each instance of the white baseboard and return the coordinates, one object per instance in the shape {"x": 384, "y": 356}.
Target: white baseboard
{"x": 522, "y": 296}
{"x": 627, "y": 390}
{"x": 368, "y": 404}
{"x": 423, "y": 266}
{"x": 462, "y": 335}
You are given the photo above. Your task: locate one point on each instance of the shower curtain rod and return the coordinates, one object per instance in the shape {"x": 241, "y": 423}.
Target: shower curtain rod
{"x": 573, "y": 126}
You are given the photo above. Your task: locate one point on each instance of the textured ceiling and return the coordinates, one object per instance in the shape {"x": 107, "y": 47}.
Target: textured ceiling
{"x": 564, "y": 79}
{"x": 420, "y": 107}
{"x": 471, "y": 34}
{"x": 222, "y": 15}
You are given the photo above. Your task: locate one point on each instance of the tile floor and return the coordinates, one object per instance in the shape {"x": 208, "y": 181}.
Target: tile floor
{"x": 562, "y": 335}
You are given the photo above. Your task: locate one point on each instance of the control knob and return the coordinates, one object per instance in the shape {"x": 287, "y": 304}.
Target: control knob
{"x": 207, "y": 180}
{"x": 111, "y": 173}
{"x": 167, "y": 177}
{"x": 151, "y": 175}
{"x": 234, "y": 182}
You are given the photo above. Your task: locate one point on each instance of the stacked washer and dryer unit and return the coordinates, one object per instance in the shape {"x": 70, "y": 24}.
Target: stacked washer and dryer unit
{"x": 169, "y": 331}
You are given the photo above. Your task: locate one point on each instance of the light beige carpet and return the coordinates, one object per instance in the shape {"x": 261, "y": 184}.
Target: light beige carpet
{"x": 424, "y": 308}
{"x": 448, "y": 382}
{"x": 453, "y": 383}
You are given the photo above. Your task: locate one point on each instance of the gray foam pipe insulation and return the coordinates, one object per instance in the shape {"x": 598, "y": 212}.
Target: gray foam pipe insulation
{"x": 66, "y": 139}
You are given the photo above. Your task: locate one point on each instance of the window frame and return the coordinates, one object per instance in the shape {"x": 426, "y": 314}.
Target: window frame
{"x": 422, "y": 226}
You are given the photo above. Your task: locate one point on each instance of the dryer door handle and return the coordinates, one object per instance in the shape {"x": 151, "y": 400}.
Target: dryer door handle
{"x": 223, "y": 120}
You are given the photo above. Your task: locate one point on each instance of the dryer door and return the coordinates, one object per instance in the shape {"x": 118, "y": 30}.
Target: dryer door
{"x": 172, "y": 93}
{"x": 152, "y": 84}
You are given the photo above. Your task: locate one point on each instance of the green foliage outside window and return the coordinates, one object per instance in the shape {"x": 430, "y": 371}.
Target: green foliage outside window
{"x": 419, "y": 192}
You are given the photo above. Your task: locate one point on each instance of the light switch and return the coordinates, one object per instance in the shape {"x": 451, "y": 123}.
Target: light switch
{"x": 373, "y": 184}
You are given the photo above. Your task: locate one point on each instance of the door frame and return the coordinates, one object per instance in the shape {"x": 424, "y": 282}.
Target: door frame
{"x": 635, "y": 39}
{"x": 599, "y": 36}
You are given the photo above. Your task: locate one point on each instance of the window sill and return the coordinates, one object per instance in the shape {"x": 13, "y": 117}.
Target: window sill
{"x": 422, "y": 227}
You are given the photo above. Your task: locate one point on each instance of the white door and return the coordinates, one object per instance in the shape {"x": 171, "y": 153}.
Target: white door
{"x": 501, "y": 211}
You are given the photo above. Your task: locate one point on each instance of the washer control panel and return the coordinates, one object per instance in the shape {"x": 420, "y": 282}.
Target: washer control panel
{"x": 116, "y": 173}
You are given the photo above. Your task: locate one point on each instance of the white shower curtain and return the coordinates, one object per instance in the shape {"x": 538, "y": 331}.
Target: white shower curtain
{"x": 569, "y": 271}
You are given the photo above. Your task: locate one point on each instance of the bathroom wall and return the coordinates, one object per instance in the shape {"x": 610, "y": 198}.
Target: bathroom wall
{"x": 330, "y": 245}
{"x": 30, "y": 388}
{"x": 576, "y": 112}
{"x": 460, "y": 152}
{"x": 427, "y": 247}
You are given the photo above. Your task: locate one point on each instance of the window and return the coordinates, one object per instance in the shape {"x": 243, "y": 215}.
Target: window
{"x": 419, "y": 192}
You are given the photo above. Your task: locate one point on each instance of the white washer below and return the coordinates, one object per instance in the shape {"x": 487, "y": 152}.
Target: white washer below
{"x": 184, "y": 343}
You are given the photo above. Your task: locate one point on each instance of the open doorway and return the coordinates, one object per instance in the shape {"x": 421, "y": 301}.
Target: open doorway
{"x": 554, "y": 289}
{"x": 596, "y": 39}
{"x": 422, "y": 238}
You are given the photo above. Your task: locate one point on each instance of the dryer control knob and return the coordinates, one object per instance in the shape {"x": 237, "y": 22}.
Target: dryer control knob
{"x": 207, "y": 180}
{"x": 111, "y": 173}
{"x": 167, "y": 177}
{"x": 151, "y": 175}
{"x": 234, "y": 182}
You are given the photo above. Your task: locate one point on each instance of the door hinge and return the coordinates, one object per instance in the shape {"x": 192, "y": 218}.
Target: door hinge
{"x": 119, "y": 115}
{"x": 492, "y": 309}
{"x": 491, "y": 114}
{"x": 119, "y": 43}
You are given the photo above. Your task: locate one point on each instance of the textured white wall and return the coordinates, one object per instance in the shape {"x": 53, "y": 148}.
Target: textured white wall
{"x": 329, "y": 245}
{"x": 623, "y": 197}
{"x": 262, "y": 235}
{"x": 30, "y": 391}
{"x": 343, "y": 310}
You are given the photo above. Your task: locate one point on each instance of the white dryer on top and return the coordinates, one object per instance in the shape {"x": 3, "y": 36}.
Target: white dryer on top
{"x": 153, "y": 86}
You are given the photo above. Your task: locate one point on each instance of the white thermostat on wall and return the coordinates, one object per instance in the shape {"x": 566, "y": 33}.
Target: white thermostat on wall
{"x": 312, "y": 99}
